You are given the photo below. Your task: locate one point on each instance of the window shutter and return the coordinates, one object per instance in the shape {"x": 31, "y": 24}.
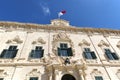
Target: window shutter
{"x": 109, "y": 55}
{"x": 85, "y": 55}
{"x": 42, "y": 52}
{"x": 38, "y": 48}
{"x": 32, "y": 53}
{"x": 13, "y": 54}
{"x": 3, "y": 53}
{"x": 115, "y": 56}
{"x": 93, "y": 55}
{"x": 1, "y": 78}
{"x": 59, "y": 54}
{"x": 34, "y": 78}
{"x": 107, "y": 50}
{"x": 98, "y": 78}
{"x": 87, "y": 49}
{"x": 69, "y": 52}
{"x": 12, "y": 48}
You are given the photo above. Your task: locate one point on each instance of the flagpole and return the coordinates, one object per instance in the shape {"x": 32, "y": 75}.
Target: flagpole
{"x": 58, "y": 15}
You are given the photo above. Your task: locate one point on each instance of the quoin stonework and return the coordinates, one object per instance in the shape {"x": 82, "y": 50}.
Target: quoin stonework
{"x": 58, "y": 51}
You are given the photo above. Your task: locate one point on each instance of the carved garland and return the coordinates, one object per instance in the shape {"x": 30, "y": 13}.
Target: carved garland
{"x": 60, "y": 37}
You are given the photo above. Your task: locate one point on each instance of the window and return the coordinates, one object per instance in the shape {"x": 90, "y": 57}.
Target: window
{"x": 33, "y": 78}
{"x": 64, "y": 50}
{"x": 111, "y": 55}
{"x": 1, "y": 78}
{"x": 98, "y": 78}
{"x": 63, "y": 45}
{"x": 10, "y": 52}
{"x": 87, "y": 49}
{"x": 89, "y": 54}
{"x": 37, "y": 53}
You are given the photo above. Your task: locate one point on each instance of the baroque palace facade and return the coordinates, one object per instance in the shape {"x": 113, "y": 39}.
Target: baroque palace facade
{"x": 58, "y": 51}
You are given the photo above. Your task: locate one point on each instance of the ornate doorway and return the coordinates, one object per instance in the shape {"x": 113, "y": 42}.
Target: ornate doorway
{"x": 68, "y": 77}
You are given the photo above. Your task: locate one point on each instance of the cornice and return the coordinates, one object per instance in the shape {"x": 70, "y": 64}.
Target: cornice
{"x": 28, "y": 26}
{"x": 55, "y": 65}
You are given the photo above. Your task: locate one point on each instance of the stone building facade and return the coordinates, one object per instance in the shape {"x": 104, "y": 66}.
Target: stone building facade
{"x": 58, "y": 51}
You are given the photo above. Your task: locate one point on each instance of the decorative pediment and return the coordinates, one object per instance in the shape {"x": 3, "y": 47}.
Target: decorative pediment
{"x": 59, "y": 22}
{"x": 34, "y": 72}
{"x": 84, "y": 42}
{"x": 39, "y": 40}
{"x": 3, "y": 73}
{"x": 118, "y": 44}
{"x": 118, "y": 71}
{"x": 15, "y": 40}
{"x": 103, "y": 43}
{"x": 61, "y": 36}
{"x": 96, "y": 72}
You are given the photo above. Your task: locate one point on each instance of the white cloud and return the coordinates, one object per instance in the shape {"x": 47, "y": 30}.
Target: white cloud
{"x": 45, "y": 8}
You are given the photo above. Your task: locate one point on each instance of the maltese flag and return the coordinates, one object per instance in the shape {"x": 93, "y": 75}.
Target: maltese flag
{"x": 61, "y": 13}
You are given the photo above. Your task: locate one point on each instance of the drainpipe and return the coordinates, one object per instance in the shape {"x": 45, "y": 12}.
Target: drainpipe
{"x": 13, "y": 73}
{"x": 99, "y": 58}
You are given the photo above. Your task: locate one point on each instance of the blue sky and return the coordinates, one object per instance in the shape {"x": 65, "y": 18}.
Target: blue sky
{"x": 81, "y": 13}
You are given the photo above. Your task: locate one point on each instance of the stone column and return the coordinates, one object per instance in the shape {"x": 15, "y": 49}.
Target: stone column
{"x": 50, "y": 76}
{"x": 56, "y": 75}
{"x": 81, "y": 75}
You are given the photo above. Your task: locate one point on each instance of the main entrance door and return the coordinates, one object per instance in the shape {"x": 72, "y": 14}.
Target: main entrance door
{"x": 68, "y": 77}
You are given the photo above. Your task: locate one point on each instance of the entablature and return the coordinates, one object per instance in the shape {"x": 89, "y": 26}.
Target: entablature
{"x": 56, "y": 25}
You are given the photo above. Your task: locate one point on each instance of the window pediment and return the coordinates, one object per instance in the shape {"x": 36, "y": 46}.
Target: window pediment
{"x": 103, "y": 43}
{"x": 15, "y": 40}
{"x": 59, "y": 22}
{"x": 3, "y": 73}
{"x": 61, "y": 37}
{"x": 118, "y": 44}
{"x": 39, "y": 40}
{"x": 34, "y": 72}
{"x": 84, "y": 42}
{"x": 118, "y": 73}
{"x": 96, "y": 72}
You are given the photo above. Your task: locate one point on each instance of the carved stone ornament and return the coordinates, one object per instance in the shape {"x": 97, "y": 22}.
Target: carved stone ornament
{"x": 60, "y": 37}
{"x": 15, "y": 40}
{"x": 59, "y": 22}
{"x": 84, "y": 42}
{"x": 103, "y": 43}
{"x": 118, "y": 44}
{"x": 34, "y": 72}
{"x": 118, "y": 71}
{"x": 39, "y": 40}
{"x": 96, "y": 72}
{"x": 3, "y": 73}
